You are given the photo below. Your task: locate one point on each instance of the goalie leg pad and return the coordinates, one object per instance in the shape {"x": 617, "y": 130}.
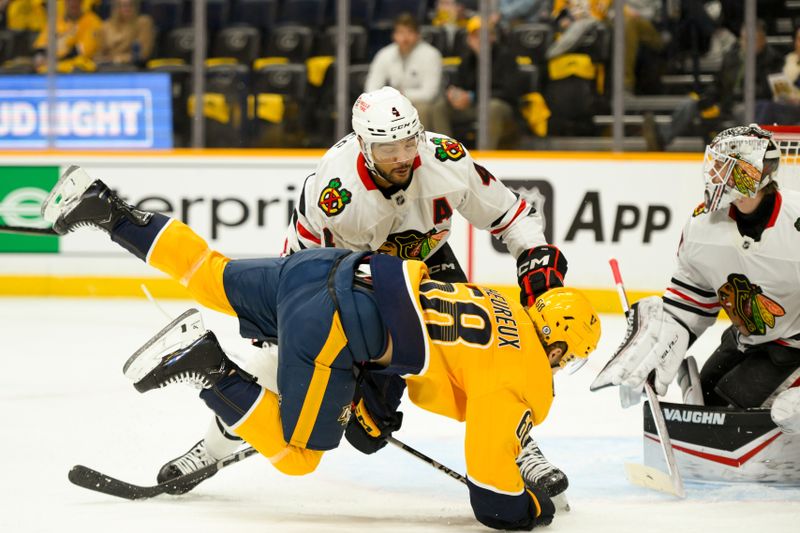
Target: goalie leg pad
{"x": 785, "y": 411}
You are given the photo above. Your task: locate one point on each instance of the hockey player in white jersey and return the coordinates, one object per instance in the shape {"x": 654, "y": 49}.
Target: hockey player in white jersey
{"x": 738, "y": 253}
{"x": 393, "y": 187}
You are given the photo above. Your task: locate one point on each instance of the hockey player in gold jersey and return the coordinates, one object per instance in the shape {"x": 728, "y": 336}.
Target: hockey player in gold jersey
{"x": 466, "y": 351}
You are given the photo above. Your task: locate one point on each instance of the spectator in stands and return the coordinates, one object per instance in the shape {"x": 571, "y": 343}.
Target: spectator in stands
{"x": 640, "y": 31}
{"x": 512, "y": 12}
{"x": 460, "y": 98}
{"x": 25, "y": 15}
{"x": 786, "y": 107}
{"x": 76, "y": 45}
{"x": 451, "y": 14}
{"x": 126, "y": 37}
{"x": 410, "y": 65}
{"x": 574, "y": 19}
{"x": 722, "y": 102}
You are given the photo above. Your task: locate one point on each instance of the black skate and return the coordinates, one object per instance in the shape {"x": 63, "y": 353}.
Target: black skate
{"x": 196, "y": 458}
{"x": 77, "y": 200}
{"x": 538, "y": 472}
{"x": 200, "y": 364}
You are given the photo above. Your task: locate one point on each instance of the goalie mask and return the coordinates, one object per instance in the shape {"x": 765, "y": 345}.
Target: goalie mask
{"x": 565, "y": 315}
{"x": 387, "y": 126}
{"x": 739, "y": 162}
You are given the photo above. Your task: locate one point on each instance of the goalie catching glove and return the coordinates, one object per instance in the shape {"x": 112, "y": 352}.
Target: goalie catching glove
{"x": 540, "y": 269}
{"x": 654, "y": 341}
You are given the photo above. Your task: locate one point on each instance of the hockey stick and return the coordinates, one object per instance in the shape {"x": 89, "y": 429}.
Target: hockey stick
{"x": 559, "y": 500}
{"x": 91, "y": 479}
{"x": 27, "y": 230}
{"x": 640, "y": 474}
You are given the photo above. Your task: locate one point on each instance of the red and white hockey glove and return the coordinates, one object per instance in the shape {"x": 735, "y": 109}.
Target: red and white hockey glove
{"x": 540, "y": 269}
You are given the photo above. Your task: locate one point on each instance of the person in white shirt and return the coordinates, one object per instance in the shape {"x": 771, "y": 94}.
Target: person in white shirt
{"x": 410, "y": 65}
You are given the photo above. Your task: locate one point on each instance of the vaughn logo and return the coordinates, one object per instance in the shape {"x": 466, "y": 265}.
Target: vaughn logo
{"x": 694, "y": 417}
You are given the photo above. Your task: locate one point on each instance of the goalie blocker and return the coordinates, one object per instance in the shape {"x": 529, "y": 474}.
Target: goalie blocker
{"x": 724, "y": 444}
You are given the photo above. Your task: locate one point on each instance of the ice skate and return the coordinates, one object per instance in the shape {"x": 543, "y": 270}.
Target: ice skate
{"x": 538, "y": 472}
{"x": 77, "y": 200}
{"x": 218, "y": 443}
{"x": 196, "y": 458}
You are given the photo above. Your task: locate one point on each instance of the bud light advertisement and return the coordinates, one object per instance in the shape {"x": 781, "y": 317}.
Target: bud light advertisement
{"x": 119, "y": 111}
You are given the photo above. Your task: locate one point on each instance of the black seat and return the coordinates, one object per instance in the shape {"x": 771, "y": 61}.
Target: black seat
{"x": 436, "y": 36}
{"x": 357, "y": 37}
{"x": 303, "y": 13}
{"x": 7, "y": 50}
{"x": 293, "y": 42}
{"x": 167, "y": 14}
{"x": 284, "y": 129}
{"x": 531, "y": 40}
{"x": 242, "y": 43}
{"x": 360, "y": 13}
{"x": 263, "y": 14}
{"x": 225, "y": 104}
{"x": 179, "y": 43}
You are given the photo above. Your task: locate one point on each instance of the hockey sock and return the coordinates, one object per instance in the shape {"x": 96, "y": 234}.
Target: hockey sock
{"x": 138, "y": 239}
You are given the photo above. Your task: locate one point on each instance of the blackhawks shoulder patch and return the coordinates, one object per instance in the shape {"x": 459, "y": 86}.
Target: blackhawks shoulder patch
{"x": 334, "y": 198}
{"x": 447, "y": 149}
{"x": 699, "y": 210}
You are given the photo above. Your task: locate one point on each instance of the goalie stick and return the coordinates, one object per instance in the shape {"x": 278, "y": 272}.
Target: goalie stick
{"x": 639, "y": 474}
{"x": 27, "y": 230}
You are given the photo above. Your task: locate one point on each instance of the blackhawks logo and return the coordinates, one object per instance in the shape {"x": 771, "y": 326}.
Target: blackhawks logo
{"x": 334, "y": 198}
{"x": 699, "y": 210}
{"x": 447, "y": 149}
{"x": 749, "y": 310}
{"x": 412, "y": 244}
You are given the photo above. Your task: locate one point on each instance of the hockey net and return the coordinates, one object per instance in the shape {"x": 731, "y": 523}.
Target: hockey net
{"x": 788, "y": 138}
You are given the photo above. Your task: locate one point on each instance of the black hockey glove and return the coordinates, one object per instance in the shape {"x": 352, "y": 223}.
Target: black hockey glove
{"x": 540, "y": 269}
{"x": 546, "y": 508}
{"x": 367, "y": 434}
{"x": 375, "y": 414}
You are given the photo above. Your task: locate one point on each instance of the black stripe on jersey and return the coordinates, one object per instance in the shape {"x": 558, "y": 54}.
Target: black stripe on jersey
{"x": 293, "y": 220}
{"x": 690, "y": 309}
{"x": 498, "y": 220}
{"x": 301, "y": 245}
{"x": 699, "y": 292}
{"x": 302, "y": 205}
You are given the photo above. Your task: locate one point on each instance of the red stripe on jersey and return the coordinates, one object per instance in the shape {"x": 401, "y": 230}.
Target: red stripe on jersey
{"x": 775, "y": 210}
{"x": 522, "y": 206}
{"x": 307, "y": 234}
{"x": 695, "y": 302}
{"x": 417, "y": 162}
{"x": 363, "y": 173}
{"x": 781, "y": 342}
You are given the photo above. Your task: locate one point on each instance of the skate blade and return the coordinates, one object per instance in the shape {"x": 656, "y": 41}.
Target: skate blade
{"x": 179, "y": 333}
{"x": 67, "y": 190}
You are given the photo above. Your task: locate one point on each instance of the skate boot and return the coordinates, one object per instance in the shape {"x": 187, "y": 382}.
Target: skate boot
{"x": 217, "y": 444}
{"x": 538, "y": 472}
{"x": 201, "y": 364}
{"x": 196, "y": 458}
{"x": 77, "y": 200}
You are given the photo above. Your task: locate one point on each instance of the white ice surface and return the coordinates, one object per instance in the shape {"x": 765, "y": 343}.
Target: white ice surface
{"x": 64, "y": 401}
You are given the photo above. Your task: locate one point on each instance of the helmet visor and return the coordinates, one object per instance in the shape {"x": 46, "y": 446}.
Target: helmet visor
{"x": 396, "y": 151}
{"x": 572, "y": 363}
{"x": 729, "y": 177}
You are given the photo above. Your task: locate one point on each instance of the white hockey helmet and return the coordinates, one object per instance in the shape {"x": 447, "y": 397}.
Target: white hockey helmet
{"x": 739, "y": 162}
{"x": 384, "y": 117}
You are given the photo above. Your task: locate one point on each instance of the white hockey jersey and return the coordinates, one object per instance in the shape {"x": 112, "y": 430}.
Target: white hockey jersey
{"x": 340, "y": 205}
{"x": 757, "y": 283}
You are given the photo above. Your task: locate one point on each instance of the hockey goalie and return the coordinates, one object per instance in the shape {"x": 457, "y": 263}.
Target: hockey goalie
{"x": 739, "y": 253}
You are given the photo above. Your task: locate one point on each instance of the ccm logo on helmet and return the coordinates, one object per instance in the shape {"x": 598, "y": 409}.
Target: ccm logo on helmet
{"x": 400, "y": 127}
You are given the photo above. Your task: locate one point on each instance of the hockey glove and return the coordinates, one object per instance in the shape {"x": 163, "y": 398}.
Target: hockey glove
{"x": 544, "y": 506}
{"x": 785, "y": 411}
{"x": 654, "y": 341}
{"x": 367, "y": 434}
{"x": 540, "y": 269}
